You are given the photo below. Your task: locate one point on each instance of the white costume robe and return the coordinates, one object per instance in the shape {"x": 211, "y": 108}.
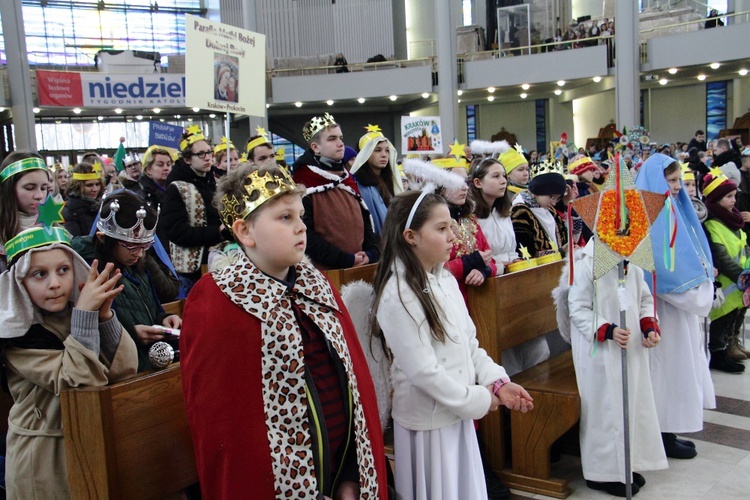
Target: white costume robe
{"x": 599, "y": 375}
{"x": 502, "y": 239}
{"x": 679, "y": 370}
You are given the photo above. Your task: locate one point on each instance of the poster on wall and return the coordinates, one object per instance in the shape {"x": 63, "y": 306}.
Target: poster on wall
{"x": 225, "y": 67}
{"x": 421, "y": 135}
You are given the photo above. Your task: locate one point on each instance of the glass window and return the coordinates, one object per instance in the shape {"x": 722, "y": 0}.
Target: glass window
{"x": 71, "y": 34}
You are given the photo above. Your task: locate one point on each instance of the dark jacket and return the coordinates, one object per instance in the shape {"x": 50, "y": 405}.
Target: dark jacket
{"x": 154, "y": 195}
{"x": 80, "y": 213}
{"x": 138, "y": 303}
{"x": 174, "y": 221}
{"x": 729, "y": 155}
{"x": 694, "y": 143}
{"x": 318, "y": 248}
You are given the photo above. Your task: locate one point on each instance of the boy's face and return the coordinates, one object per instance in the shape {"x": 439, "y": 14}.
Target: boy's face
{"x": 330, "y": 145}
{"x": 263, "y": 156}
{"x": 50, "y": 279}
{"x": 690, "y": 188}
{"x": 276, "y": 238}
{"x": 674, "y": 182}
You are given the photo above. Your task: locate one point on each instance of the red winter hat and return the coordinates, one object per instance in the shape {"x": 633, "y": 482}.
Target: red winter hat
{"x": 581, "y": 164}
{"x": 717, "y": 186}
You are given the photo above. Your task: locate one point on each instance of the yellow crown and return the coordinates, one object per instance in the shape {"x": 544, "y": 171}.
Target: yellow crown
{"x": 195, "y": 134}
{"x": 222, "y": 146}
{"x": 259, "y": 188}
{"x": 547, "y": 167}
{"x": 316, "y": 124}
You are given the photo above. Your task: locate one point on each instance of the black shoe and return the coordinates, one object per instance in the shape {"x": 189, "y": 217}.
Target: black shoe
{"x": 674, "y": 449}
{"x": 720, "y": 362}
{"x": 639, "y": 480}
{"x": 614, "y": 489}
{"x": 685, "y": 442}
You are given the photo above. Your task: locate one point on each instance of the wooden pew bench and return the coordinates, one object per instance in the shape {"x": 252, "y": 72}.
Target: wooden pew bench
{"x": 509, "y": 310}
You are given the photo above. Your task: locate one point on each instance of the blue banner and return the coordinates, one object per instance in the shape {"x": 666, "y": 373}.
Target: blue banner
{"x": 163, "y": 134}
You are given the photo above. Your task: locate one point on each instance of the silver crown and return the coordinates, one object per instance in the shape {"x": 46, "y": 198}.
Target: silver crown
{"x": 139, "y": 233}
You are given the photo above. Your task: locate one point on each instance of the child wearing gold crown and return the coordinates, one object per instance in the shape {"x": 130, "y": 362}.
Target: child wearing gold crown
{"x": 277, "y": 391}
{"x": 124, "y": 234}
{"x": 339, "y": 226}
{"x": 59, "y": 332}
{"x": 84, "y": 199}
{"x": 539, "y": 230}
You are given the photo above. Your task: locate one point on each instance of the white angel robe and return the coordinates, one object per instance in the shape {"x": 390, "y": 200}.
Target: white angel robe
{"x": 599, "y": 375}
{"x": 679, "y": 369}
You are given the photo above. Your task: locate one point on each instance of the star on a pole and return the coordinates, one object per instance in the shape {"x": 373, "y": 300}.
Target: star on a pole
{"x": 457, "y": 149}
{"x": 50, "y": 212}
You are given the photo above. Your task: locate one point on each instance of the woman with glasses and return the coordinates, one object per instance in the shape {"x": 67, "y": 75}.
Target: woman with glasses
{"x": 188, "y": 216}
{"x": 124, "y": 234}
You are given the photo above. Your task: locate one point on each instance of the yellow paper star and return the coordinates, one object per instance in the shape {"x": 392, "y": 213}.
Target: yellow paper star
{"x": 260, "y": 131}
{"x": 519, "y": 148}
{"x": 457, "y": 149}
{"x": 716, "y": 172}
{"x": 372, "y": 128}
{"x": 97, "y": 167}
{"x": 525, "y": 253}
{"x": 194, "y": 129}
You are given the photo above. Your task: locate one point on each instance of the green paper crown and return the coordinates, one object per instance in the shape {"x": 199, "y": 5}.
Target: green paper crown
{"x": 34, "y": 238}
{"x": 24, "y": 165}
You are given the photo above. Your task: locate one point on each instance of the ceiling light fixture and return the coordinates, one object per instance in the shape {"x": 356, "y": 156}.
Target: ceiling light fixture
{"x": 36, "y": 110}
{"x": 526, "y": 86}
{"x": 425, "y": 95}
{"x": 118, "y": 110}
{"x": 701, "y": 77}
{"x": 663, "y": 81}
{"x": 715, "y": 65}
{"x": 597, "y": 79}
{"x": 298, "y": 104}
{"x": 77, "y": 111}
{"x": 524, "y": 95}
{"x": 460, "y": 92}
{"x": 491, "y": 89}
{"x": 672, "y": 71}
{"x": 157, "y": 110}
{"x": 361, "y": 100}
{"x": 393, "y": 97}
{"x": 195, "y": 110}
{"x": 329, "y": 102}
{"x": 742, "y": 72}
{"x": 558, "y": 91}
{"x": 560, "y": 83}
{"x": 491, "y": 98}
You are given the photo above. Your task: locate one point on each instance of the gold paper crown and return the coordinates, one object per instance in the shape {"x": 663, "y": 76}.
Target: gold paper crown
{"x": 92, "y": 176}
{"x": 687, "y": 173}
{"x": 222, "y": 146}
{"x": 259, "y": 188}
{"x": 195, "y": 134}
{"x": 547, "y": 167}
{"x": 316, "y": 124}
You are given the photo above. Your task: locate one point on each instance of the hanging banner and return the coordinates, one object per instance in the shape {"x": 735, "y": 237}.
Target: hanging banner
{"x": 106, "y": 90}
{"x": 421, "y": 134}
{"x": 164, "y": 134}
{"x": 236, "y": 58}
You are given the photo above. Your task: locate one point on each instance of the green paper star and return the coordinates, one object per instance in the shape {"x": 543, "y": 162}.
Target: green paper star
{"x": 50, "y": 213}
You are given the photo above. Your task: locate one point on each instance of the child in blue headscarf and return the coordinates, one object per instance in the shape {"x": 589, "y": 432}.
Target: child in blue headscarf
{"x": 684, "y": 294}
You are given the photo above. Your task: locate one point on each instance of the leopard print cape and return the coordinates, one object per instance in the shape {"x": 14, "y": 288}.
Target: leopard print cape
{"x": 283, "y": 371}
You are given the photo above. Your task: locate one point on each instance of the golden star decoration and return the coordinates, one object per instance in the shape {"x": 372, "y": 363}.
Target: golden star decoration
{"x": 519, "y": 148}
{"x": 373, "y": 128}
{"x": 598, "y": 211}
{"x": 260, "y": 131}
{"x": 457, "y": 149}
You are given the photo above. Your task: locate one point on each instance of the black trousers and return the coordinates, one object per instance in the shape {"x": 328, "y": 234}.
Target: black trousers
{"x": 724, "y": 328}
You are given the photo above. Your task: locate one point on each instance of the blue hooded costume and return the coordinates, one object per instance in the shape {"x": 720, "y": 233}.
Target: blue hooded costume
{"x": 693, "y": 264}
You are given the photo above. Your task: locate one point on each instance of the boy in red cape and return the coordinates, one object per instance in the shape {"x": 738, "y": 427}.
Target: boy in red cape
{"x": 278, "y": 395}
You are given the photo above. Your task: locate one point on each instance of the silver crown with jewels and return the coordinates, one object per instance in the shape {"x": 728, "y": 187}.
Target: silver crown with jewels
{"x": 138, "y": 233}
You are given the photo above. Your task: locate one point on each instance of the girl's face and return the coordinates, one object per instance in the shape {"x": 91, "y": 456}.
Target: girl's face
{"x": 50, "y": 279}
{"x": 90, "y": 189}
{"x": 379, "y": 157}
{"x": 234, "y": 159}
{"x": 201, "y": 158}
{"x": 493, "y": 184}
{"x": 547, "y": 200}
{"x": 457, "y": 196}
{"x": 160, "y": 167}
{"x": 690, "y": 188}
{"x": 433, "y": 242}
{"x": 728, "y": 201}
{"x": 520, "y": 174}
{"x": 31, "y": 191}
{"x": 674, "y": 181}
{"x": 62, "y": 178}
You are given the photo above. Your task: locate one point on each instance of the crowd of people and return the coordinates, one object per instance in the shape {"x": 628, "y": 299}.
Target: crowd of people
{"x": 244, "y": 239}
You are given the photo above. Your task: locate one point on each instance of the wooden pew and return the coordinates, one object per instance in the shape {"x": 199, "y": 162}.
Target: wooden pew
{"x": 175, "y": 307}
{"x": 130, "y": 439}
{"x": 340, "y": 277}
{"x": 509, "y": 310}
